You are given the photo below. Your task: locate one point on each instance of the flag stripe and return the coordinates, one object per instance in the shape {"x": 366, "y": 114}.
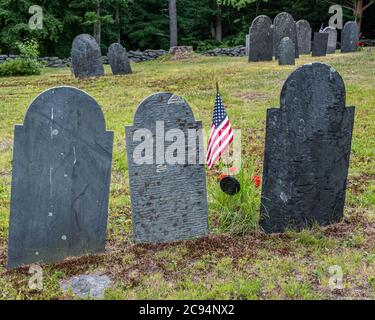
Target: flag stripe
{"x": 221, "y": 135}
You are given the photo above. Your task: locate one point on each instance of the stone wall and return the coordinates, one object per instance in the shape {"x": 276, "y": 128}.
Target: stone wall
{"x": 232, "y": 52}
{"x": 148, "y": 55}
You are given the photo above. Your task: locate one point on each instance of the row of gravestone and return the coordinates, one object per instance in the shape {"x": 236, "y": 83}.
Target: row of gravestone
{"x": 286, "y": 39}
{"x": 87, "y": 58}
{"x": 62, "y": 168}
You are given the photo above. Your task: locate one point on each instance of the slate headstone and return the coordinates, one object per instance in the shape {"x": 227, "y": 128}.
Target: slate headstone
{"x": 304, "y": 36}
{"x": 320, "y": 44}
{"x": 261, "y": 39}
{"x": 308, "y": 142}
{"x": 332, "y": 39}
{"x": 118, "y": 59}
{"x": 86, "y": 57}
{"x": 284, "y": 26}
{"x": 168, "y": 200}
{"x": 349, "y": 37}
{"x": 60, "y": 183}
{"x": 286, "y": 52}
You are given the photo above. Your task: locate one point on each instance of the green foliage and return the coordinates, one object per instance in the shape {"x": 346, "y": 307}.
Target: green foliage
{"x": 236, "y": 214}
{"x": 26, "y": 64}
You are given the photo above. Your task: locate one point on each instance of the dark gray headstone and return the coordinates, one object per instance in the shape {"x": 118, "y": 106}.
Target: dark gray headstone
{"x": 349, "y": 37}
{"x": 304, "y": 36}
{"x": 61, "y": 175}
{"x": 168, "y": 200}
{"x": 284, "y": 26}
{"x": 320, "y": 43}
{"x": 307, "y": 151}
{"x": 286, "y": 52}
{"x": 86, "y": 57}
{"x": 332, "y": 39}
{"x": 261, "y": 39}
{"x": 118, "y": 59}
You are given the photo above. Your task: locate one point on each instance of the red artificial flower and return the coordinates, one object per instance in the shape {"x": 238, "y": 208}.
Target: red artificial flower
{"x": 257, "y": 181}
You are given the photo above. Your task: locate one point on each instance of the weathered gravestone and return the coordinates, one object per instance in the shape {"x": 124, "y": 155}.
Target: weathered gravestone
{"x": 332, "y": 39}
{"x": 286, "y": 52}
{"x": 284, "y": 26}
{"x": 307, "y": 151}
{"x": 349, "y": 37}
{"x": 261, "y": 39}
{"x": 86, "y": 57}
{"x": 303, "y": 36}
{"x": 61, "y": 174}
{"x": 319, "y": 48}
{"x": 167, "y": 178}
{"x": 118, "y": 59}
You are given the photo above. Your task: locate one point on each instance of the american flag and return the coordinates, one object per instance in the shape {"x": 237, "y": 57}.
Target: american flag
{"x": 221, "y": 135}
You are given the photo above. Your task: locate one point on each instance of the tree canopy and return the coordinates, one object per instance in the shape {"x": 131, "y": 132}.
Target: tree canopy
{"x": 145, "y": 24}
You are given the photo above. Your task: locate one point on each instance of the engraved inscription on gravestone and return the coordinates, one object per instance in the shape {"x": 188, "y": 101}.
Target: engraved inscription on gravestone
{"x": 166, "y": 171}
{"x": 306, "y": 160}
{"x": 60, "y": 184}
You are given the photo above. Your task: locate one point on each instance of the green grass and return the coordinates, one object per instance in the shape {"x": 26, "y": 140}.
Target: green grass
{"x": 226, "y": 264}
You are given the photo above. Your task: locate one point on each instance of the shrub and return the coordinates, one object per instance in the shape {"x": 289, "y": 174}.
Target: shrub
{"x": 26, "y": 64}
{"x": 236, "y": 214}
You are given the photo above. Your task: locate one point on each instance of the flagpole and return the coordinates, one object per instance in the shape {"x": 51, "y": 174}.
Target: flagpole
{"x": 217, "y": 87}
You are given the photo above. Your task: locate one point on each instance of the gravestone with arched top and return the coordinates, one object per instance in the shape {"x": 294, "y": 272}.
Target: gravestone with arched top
{"x": 166, "y": 171}
{"x": 304, "y": 36}
{"x": 60, "y": 183}
{"x": 308, "y": 142}
{"x": 261, "y": 39}
{"x": 349, "y": 37}
{"x": 284, "y": 26}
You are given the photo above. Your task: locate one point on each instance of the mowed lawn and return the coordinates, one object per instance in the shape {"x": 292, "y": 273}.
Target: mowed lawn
{"x": 220, "y": 266}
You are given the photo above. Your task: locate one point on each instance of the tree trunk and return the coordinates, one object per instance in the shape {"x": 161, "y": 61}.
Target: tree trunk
{"x": 97, "y": 24}
{"x": 218, "y": 26}
{"x": 118, "y": 23}
{"x": 358, "y": 12}
{"x": 173, "y": 23}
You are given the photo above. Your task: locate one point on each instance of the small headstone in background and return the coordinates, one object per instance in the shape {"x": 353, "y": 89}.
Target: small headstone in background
{"x": 86, "y": 57}
{"x": 319, "y": 48}
{"x": 87, "y": 286}
{"x": 286, "y": 52}
{"x": 247, "y": 45}
{"x": 181, "y": 52}
{"x": 168, "y": 200}
{"x": 332, "y": 39}
{"x": 261, "y": 40}
{"x": 307, "y": 150}
{"x": 60, "y": 181}
{"x": 284, "y": 26}
{"x": 118, "y": 59}
{"x": 349, "y": 37}
{"x": 304, "y": 36}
